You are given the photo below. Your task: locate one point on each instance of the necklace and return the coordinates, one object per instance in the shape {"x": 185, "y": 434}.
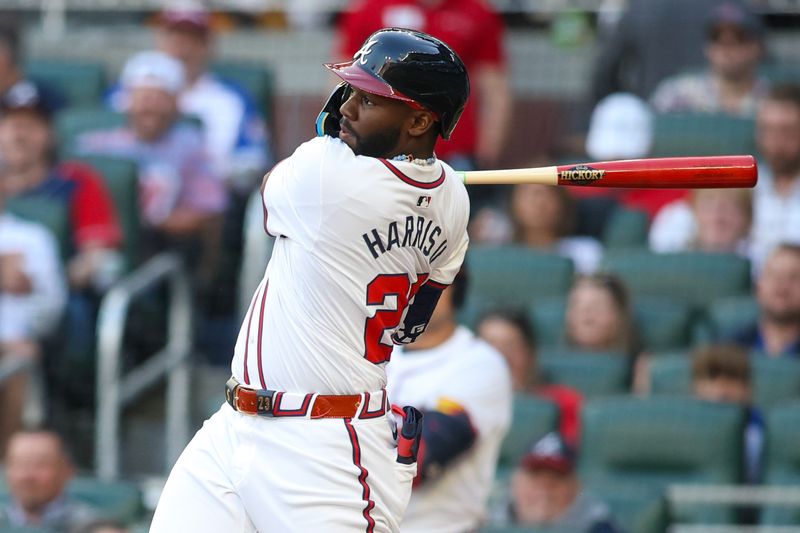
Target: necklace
{"x": 408, "y": 158}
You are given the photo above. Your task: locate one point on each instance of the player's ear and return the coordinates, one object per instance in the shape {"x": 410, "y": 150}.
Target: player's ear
{"x": 422, "y": 122}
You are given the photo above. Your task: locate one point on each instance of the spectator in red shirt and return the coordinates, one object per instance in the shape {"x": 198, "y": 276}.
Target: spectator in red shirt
{"x": 512, "y": 335}
{"x": 475, "y": 32}
{"x": 25, "y": 149}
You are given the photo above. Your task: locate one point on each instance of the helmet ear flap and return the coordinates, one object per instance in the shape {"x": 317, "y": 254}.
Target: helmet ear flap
{"x": 327, "y": 122}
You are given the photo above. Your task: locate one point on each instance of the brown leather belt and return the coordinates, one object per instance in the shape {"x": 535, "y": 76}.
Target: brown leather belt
{"x": 265, "y": 402}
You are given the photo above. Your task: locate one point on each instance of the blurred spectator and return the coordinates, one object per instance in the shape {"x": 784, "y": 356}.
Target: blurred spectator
{"x": 653, "y": 40}
{"x": 182, "y": 197}
{"x": 234, "y": 130}
{"x": 776, "y": 200}
{"x": 32, "y": 297}
{"x": 26, "y": 149}
{"x": 102, "y": 526}
{"x": 543, "y": 218}
{"x": 599, "y": 317}
{"x": 712, "y": 220}
{"x": 734, "y": 47}
{"x": 621, "y": 127}
{"x": 463, "y": 387}
{"x": 777, "y": 330}
{"x": 721, "y": 373}
{"x": 546, "y": 492}
{"x": 12, "y": 76}
{"x": 512, "y": 335}
{"x": 475, "y": 31}
{"x": 38, "y": 469}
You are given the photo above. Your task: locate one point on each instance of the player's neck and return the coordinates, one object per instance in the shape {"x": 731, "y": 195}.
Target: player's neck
{"x": 434, "y": 336}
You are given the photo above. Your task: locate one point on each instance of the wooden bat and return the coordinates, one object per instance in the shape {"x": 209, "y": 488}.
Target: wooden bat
{"x": 727, "y": 171}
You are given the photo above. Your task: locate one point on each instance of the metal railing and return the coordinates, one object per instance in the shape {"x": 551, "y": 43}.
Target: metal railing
{"x": 116, "y": 390}
{"x": 733, "y": 495}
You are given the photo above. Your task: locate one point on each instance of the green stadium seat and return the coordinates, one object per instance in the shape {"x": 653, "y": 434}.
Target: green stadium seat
{"x": 254, "y": 78}
{"x": 71, "y": 123}
{"x": 635, "y": 509}
{"x": 648, "y": 443}
{"x": 782, "y": 459}
{"x": 82, "y": 83}
{"x": 519, "y": 529}
{"x": 626, "y": 228}
{"x": 515, "y": 275}
{"x": 776, "y": 380}
{"x": 533, "y": 418}
{"x": 593, "y": 374}
{"x": 780, "y": 73}
{"x": 662, "y": 324}
{"x": 671, "y": 374}
{"x": 118, "y": 500}
{"x": 547, "y": 317}
{"x": 50, "y": 213}
{"x": 693, "y": 277}
{"x": 122, "y": 179}
{"x": 26, "y": 529}
{"x": 729, "y": 315}
{"x": 702, "y": 134}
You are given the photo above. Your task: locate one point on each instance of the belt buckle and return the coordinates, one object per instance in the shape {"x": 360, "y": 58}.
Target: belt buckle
{"x": 264, "y": 403}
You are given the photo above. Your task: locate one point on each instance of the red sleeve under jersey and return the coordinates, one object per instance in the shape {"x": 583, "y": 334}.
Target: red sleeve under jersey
{"x": 92, "y": 211}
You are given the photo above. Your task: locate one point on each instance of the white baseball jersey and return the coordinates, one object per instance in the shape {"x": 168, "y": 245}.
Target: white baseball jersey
{"x": 466, "y": 371}
{"x": 356, "y": 238}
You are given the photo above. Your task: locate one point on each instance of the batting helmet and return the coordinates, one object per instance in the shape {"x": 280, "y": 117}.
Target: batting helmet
{"x": 413, "y": 67}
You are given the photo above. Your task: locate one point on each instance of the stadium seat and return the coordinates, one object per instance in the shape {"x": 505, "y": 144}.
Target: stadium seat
{"x": 776, "y": 380}
{"x": 781, "y": 72}
{"x": 515, "y": 275}
{"x": 626, "y": 228}
{"x": 533, "y": 418}
{"x": 782, "y": 459}
{"x": 671, "y": 374}
{"x": 254, "y": 78}
{"x": 662, "y": 323}
{"x": 648, "y": 443}
{"x": 700, "y": 134}
{"x": 635, "y": 509}
{"x": 71, "y": 123}
{"x": 693, "y": 277}
{"x": 122, "y": 179}
{"x": 729, "y": 315}
{"x": 26, "y": 529}
{"x": 50, "y": 213}
{"x": 81, "y": 83}
{"x": 593, "y": 374}
{"x": 118, "y": 500}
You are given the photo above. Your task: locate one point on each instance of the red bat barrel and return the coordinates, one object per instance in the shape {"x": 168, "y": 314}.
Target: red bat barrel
{"x": 664, "y": 173}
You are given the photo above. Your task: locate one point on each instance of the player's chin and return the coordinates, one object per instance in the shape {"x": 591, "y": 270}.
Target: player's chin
{"x": 348, "y": 138}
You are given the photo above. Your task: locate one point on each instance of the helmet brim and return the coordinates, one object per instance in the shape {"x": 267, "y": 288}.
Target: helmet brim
{"x": 359, "y": 78}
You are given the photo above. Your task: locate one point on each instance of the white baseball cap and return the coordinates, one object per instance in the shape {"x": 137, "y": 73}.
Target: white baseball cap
{"x": 621, "y": 127}
{"x": 153, "y": 69}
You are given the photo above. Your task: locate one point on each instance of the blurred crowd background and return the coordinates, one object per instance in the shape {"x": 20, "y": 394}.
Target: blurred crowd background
{"x": 653, "y": 336}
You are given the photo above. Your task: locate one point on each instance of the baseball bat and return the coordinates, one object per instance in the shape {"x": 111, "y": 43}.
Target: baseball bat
{"x": 727, "y": 171}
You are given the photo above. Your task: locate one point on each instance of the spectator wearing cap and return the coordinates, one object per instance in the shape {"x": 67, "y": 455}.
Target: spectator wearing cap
{"x": 234, "y": 129}
{"x": 546, "y": 492}
{"x": 26, "y": 149}
{"x": 731, "y": 84}
{"x": 38, "y": 469}
{"x": 182, "y": 197}
{"x": 12, "y": 76}
{"x": 32, "y": 297}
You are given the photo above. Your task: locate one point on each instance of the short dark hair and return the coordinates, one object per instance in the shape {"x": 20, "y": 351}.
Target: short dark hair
{"x": 517, "y": 319}
{"x": 788, "y": 93}
{"x": 721, "y": 361}
{"x": 9, "y": 37}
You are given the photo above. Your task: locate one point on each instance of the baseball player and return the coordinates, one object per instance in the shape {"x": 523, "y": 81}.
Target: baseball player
{"x": 463, "y": 387}
{"x": 370, "y": 228}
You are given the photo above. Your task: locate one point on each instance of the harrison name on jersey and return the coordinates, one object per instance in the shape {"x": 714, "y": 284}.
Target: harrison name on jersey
{"x": 416, "y": 231}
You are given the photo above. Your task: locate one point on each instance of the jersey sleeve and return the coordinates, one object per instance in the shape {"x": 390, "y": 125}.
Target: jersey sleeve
{"x": 292, "y": 196}
{"x": 445, "y": 267}
{"x": 93, "y": 213}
